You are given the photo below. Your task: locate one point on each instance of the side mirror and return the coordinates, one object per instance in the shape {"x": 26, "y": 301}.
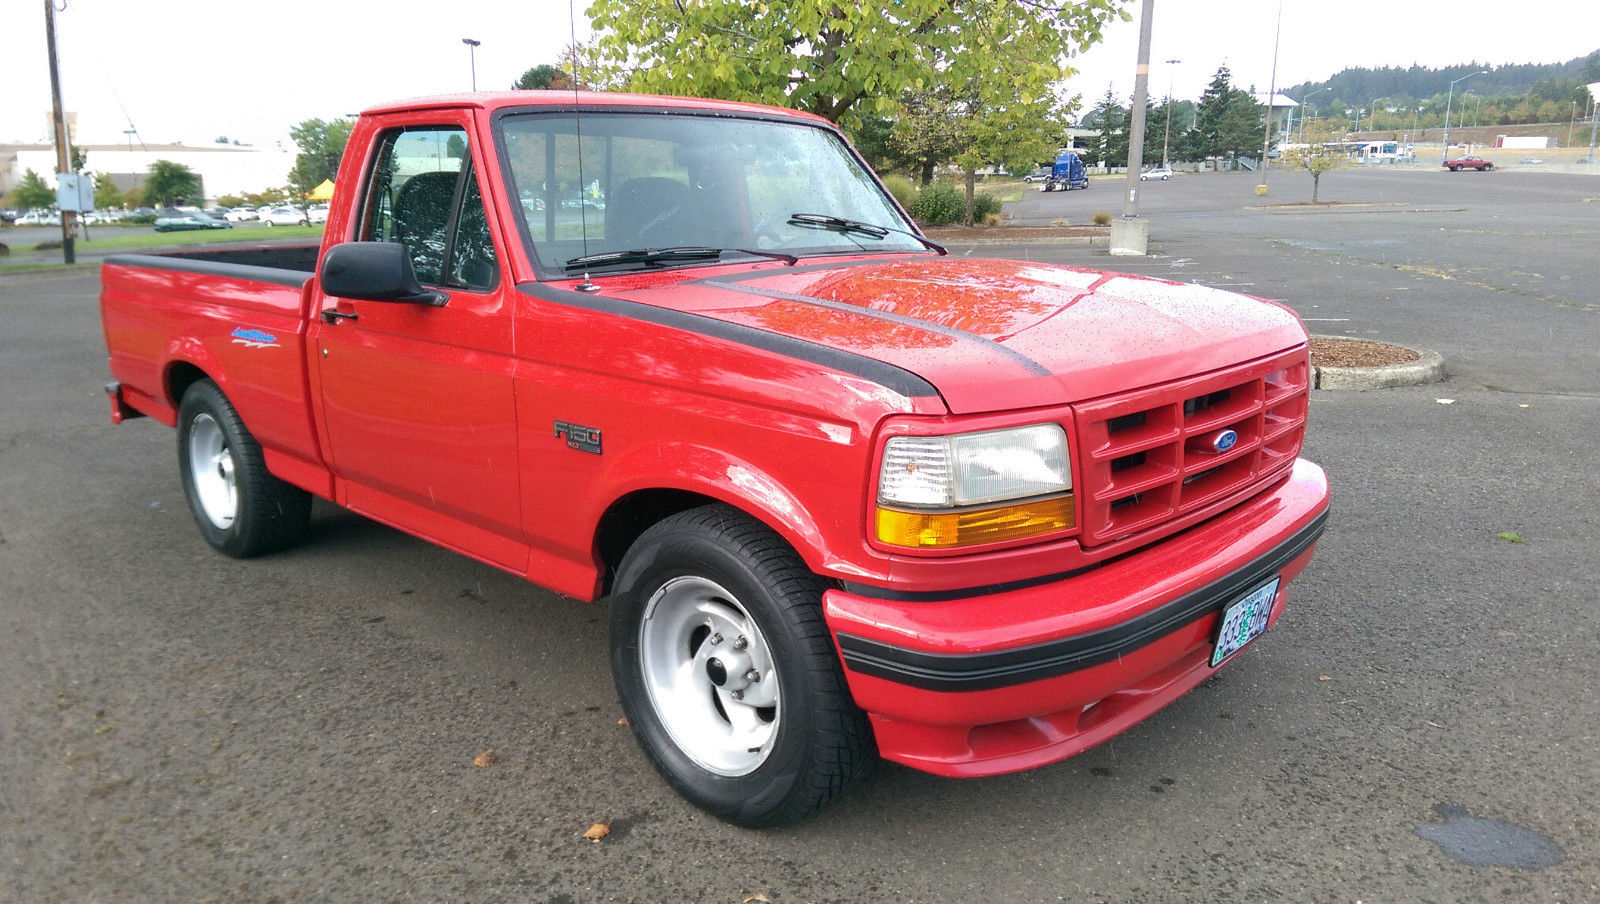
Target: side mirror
{"x": 375, "y": 271}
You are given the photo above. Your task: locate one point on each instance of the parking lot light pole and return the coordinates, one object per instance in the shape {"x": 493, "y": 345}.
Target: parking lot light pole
{"x": 1594, "y": 125}
{"x": 1167, "y": 133}
{"x": 1130, "y": 234}
{"x": 1303, "y": 99}
{"x": 472, "y": 59}
{"x": 1448, "y": 98}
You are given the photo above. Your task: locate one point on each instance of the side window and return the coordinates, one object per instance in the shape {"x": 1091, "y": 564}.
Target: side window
{"x": 425, "y": 196}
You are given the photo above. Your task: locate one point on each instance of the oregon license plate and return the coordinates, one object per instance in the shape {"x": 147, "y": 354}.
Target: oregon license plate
{"x": 1243, "y": 621}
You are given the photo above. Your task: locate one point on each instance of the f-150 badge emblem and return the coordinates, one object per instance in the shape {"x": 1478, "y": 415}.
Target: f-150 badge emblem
{"x": 1224, "y": 441}
{"x": 584, "y": 439}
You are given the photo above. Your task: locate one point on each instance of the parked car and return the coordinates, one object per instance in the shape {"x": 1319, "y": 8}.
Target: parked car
{"x": 241, "y": 215}
{"x": 9, "y": 214}
{"x": 1038, "y": 175}
{"x": 1161, "y": 172}
{"x": 220, "y": 213}
{"x": 1531, "y": 161}
{"x": 317, "y": 214}
{"x": 39, "y": 218}
{"x": 284, "y": 216}
{"x": 184, "y": 220}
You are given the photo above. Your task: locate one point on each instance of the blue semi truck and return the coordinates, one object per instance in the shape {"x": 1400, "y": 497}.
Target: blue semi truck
{"x": 1067, "y": 173}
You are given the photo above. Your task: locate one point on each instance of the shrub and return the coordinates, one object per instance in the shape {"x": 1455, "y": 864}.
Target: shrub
{"x": 1102, "y": 218}
{"x": 984, "y": 205}
{"x": 138, "y": 219}
{"x": 940, "y": 204}
{"x": 903, "y": 189}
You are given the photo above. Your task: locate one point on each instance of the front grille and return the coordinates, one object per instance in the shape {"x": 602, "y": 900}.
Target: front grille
{"x": 1148, "y": 456}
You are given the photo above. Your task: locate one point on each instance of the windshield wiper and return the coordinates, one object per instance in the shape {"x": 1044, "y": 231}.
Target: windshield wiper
{"x": 660, "y": 255}
{"x": 840, "y": 224}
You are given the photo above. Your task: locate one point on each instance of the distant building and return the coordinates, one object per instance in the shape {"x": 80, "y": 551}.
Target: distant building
{"x": 223, "y": 169}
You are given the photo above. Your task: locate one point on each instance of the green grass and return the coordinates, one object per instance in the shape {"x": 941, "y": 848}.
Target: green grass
{"x": 24, "y": 268}
{"x": 164, "y": 239}
{"x": 1004, "y": 191}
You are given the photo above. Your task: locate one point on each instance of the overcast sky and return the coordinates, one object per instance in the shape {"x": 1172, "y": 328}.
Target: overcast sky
{"x": 192, "y": 70}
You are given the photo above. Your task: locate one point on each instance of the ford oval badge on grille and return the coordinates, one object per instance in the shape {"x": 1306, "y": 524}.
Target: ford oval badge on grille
{"x": 1224, "y": 441}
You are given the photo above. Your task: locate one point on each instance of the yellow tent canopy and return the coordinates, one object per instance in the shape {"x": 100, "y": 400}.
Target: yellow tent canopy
{"x": 323, "y": 192}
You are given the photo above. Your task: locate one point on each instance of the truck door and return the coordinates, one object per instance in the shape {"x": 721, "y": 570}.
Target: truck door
{"x": 417, "y": 399}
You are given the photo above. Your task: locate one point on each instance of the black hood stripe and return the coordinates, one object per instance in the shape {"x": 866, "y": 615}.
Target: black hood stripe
{"x": 886, "y": 375}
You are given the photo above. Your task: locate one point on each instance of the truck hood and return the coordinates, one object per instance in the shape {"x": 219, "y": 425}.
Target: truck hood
{"x": 994, "y": 335}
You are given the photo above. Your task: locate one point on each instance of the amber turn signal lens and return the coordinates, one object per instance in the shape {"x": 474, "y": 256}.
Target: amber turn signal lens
{"x": 946, "y": 530}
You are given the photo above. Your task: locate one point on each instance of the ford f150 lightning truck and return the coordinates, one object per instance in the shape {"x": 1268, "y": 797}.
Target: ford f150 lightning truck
{"x": 845, "y": 496}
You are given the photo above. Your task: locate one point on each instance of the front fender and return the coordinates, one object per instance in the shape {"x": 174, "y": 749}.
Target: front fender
{"x": 725, "y": 477}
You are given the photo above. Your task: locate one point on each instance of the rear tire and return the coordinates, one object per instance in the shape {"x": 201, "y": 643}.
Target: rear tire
{"x": 727, "y": 672}
{"x": 240, "y": 508}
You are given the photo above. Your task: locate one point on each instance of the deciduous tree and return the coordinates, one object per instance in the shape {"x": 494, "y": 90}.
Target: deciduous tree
{"x": 1322, "y": 153}
{"x": 837, "y": 58}
{"x": 33, "y": 191}
{"x": 321, "y": 144}
{"x": 169, "y": 183}
{"x": 106, "y": 192}
{"x": 542, "y": 77}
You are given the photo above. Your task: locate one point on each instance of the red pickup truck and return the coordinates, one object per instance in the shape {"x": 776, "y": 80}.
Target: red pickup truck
{"x": 846, "y": 495}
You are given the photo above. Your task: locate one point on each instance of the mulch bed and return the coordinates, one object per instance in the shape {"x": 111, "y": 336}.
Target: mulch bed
{"x": 1358, "y": 353}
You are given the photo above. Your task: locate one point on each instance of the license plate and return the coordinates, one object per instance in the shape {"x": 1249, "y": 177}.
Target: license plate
{"x": 1243, "y": 621}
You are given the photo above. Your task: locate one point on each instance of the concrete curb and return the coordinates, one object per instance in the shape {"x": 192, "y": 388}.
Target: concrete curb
{"x": 1428, "y": 368}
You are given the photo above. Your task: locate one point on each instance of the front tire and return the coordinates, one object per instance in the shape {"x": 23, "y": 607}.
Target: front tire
{"x": 240, "y": 508}
{"x": 727, "y": 673}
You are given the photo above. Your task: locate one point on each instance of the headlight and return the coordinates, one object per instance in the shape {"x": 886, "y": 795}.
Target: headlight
{"x": 941, "y": 491}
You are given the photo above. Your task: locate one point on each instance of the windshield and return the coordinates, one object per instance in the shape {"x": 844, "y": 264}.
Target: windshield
{"x": 649, "y": 181}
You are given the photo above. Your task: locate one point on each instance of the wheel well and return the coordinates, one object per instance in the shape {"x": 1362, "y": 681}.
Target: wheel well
{"x": 631, "y": 516}
{"x": 180, "y": 376}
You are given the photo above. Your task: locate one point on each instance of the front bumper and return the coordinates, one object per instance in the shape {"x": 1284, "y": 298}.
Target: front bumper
{"x": 1011, "y": 679}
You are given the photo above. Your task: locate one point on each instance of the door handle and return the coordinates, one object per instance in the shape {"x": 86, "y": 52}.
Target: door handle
{"x": 332, "y": 315}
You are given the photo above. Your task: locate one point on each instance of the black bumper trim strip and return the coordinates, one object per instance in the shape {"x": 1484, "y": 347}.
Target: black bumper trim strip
{"x": 986, "y": 671}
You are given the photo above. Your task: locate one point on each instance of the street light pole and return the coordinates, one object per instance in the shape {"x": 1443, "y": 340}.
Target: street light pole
{"x": 1303, "y": 99}
{"x": 1168, "y": 132}
{"x": 1272, "y": 94}
{"x": 1141, "y": 92}
{"x": 1447, "y": 101}
{"x": 1594, "y": 126}
{"x": 472, "y": 59}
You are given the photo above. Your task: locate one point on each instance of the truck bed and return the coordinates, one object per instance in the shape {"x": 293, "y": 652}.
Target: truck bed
{"x": 234, "y": 315}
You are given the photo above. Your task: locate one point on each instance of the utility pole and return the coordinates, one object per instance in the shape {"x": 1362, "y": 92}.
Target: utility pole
{"x": 63, "y": 153}
{"x": 1131, "y": 235}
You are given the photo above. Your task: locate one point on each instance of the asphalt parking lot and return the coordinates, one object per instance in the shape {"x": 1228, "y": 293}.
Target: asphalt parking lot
{"x": 178, "y": 726}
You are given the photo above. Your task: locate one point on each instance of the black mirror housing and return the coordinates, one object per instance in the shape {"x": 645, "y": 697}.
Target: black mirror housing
{"x": 374, "y": 271}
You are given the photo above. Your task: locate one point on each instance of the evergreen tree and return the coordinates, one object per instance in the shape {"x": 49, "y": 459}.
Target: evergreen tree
{"x": 1229, "y": 119}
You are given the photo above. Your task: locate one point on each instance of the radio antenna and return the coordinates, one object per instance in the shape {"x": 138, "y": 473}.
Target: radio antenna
{"x": 577, "y": 121}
